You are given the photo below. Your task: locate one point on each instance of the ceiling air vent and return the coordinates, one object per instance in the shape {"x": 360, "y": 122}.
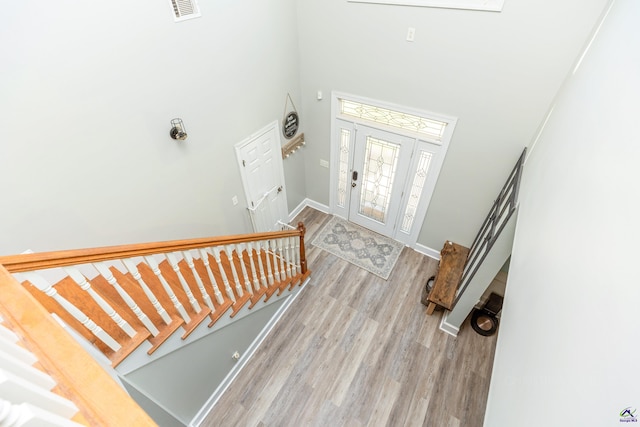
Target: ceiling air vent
{"x": 185, "y": 9}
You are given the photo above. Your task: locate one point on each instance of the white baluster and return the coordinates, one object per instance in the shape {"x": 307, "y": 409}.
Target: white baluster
{"x": 283, "y": 268}
{"x": 229, "y": 252}
{"x": 192, "y": 300}
{"x": 263, "y": 277}
{"x": 19, "y": 390}
{"x": 7, "y": 333}
{"x": 131, "y": 267}
{"x": 24, "y": 370}
{"x": 189, "y": 259}
{"x": 9, "y": 347}
{"x": 243, "y": 267}
{"x": 288, "y": 259}
{"x": 274, "y": 253}
{"x": 268, "y": 259}
{"x": 256, "y": 282}
{"x": 96, "y": 330}
{"x": 172, "y": 296}
{"x": 296, "y": 252}
{"x": 225, "y": 280}
{"x": 106, "y": 273}
{"x": 86, "y": 286}
{"x": 19, "y": 361}
{"x": 204, "y": 255}
{"x": 24, "y": 414}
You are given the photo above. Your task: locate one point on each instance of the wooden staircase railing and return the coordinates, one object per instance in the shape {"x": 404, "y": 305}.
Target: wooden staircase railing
{"x": 121, "y": 296}
{"x": 97, "y": 400}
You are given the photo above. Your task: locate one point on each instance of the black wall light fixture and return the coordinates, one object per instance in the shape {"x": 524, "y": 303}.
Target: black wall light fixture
{"x": 178, "y": 131}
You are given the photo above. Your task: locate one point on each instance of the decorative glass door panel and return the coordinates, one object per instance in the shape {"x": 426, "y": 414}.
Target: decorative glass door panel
{"x": 379, "y": 169}
{"x": 377, "y": 178}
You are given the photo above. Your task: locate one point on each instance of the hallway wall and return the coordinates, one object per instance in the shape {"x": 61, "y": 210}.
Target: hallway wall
{"x": 88, "y": 92}
{"x": 567, "y": 348}
{"x": 496, "y": 72}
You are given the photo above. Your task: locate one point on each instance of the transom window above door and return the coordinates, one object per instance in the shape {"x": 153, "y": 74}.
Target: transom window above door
{"x": 432, "y": 129}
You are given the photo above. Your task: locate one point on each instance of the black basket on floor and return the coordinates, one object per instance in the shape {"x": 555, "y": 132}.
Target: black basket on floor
{"x": 426, "y": 290}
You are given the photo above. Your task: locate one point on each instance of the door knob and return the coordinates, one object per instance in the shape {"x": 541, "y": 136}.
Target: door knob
{"x": 353, "y": 184}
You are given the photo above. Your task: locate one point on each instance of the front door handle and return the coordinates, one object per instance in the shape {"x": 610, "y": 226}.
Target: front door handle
{"x": 354, "y": 176}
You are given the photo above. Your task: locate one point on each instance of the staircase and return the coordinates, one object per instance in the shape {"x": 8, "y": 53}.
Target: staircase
{"x": 119, "y": 297}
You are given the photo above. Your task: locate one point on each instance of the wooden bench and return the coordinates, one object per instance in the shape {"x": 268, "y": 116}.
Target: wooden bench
{"x": 452, "y": 260}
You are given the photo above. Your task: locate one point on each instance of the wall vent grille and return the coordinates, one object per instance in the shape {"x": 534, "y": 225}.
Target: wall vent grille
{"x": 185, "y": 9}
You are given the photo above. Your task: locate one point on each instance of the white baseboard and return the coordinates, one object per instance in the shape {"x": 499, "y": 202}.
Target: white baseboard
{"x": 312, "y": 204}
{"x": 447, "y": 327}
{"x": 425, "y": 250}
{"x": 208, "y": 406}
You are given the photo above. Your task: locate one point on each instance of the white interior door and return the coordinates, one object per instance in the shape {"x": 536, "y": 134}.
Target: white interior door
{"x": 260, "y": 162}
{"x": 381, "y": 161}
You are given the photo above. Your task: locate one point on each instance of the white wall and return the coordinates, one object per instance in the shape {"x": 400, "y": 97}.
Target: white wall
{"x": 568, "y": 347}
{"x": 496, "y": 72}
{"x": 86, "y": 96}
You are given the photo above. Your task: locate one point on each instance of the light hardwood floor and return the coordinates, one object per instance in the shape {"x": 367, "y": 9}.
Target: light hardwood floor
{"x": 356, "y": 350}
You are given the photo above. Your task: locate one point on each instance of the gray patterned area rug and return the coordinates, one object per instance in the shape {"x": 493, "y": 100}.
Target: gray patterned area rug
{"x": 364, "y": 248}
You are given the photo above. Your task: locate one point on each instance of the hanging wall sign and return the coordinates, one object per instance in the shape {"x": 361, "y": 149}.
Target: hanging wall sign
{"x": 291, "y": 120}
{"x": 290, "y": 125}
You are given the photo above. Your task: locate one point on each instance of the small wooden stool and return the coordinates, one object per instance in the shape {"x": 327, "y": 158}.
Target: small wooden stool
{"x": 452, "y": 260}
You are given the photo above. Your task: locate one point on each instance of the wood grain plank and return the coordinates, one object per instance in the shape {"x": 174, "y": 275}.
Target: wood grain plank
{"x": 452, "y": 259}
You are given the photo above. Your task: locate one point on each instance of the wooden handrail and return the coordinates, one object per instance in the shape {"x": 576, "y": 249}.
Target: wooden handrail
{"x": 80, "y": 379}
{"x": 42, "y": 260}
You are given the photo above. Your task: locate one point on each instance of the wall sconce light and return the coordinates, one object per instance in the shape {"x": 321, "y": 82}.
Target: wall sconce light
{"x": 178, "y": 131}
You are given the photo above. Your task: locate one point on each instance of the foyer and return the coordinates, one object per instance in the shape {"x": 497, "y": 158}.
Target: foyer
{"x": 356, "y": 350}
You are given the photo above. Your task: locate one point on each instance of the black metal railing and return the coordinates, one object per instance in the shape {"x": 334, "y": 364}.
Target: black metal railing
{"x": 494, "y": 223}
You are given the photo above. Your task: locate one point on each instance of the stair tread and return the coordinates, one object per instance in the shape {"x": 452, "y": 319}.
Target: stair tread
{"x": 70, "y": 290}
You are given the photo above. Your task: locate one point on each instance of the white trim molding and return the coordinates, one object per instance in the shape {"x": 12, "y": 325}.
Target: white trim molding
{"x": 312, "y": 204}
{"x": 426, "y": 250}
{"x": 448, "y": 327}
{"x": 486, "y": 5}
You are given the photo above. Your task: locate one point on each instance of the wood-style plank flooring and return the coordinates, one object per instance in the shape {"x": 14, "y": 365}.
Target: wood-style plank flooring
{"x": 356, "y": 350}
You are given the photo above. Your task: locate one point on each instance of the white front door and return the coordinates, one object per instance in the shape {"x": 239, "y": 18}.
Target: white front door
{"x": 380, "y": 164}
{"x": 260, "y": 162}
{"x": 385, "y": 161}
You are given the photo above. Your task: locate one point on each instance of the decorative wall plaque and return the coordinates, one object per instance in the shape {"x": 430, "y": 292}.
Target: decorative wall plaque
{"x": 291, "y": 120}
{"x": 290, "y": 125}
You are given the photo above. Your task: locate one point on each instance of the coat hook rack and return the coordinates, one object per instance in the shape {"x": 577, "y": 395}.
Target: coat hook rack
{"x": 292, "y": 146}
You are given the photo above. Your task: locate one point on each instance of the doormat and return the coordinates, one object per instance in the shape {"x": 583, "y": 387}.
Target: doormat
{"x": 368, "y": 250}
